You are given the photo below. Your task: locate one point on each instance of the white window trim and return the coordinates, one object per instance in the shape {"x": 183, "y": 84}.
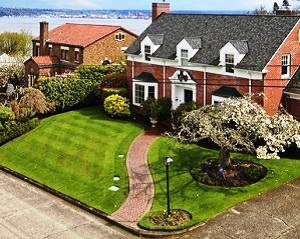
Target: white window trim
{"x": 146, "y": 85}
{"x": 217, "y": 99}
{"x": 285, "y": 76}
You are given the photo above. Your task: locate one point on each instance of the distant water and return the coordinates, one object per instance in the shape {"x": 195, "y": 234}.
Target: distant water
{"x": 32, "y": 24}
{"x": 137, "y": 26}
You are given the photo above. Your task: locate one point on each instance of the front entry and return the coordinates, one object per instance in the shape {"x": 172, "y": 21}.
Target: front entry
{"x": 188, "y": 95}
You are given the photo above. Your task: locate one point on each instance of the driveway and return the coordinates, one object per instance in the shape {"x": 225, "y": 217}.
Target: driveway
{"x": 29, "y": 212}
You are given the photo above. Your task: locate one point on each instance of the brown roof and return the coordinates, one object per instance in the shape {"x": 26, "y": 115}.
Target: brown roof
{"x": 45, "y": 60}
{"x": 80, "y": 34}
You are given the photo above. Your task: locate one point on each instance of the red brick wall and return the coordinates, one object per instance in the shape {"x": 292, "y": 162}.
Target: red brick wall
{"x": 108, "y": 48}
{"x": 273, "y": 84}
{"x": 292, "y": 106}
{"x": 213, "y": 81}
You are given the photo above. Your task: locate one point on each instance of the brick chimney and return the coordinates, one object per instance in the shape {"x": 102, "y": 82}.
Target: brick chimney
{"x": 43, "y": 37}
{"x": 159, "y": 8}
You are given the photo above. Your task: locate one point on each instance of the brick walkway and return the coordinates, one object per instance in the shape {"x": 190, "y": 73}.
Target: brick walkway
{"x": 141, "y": 187}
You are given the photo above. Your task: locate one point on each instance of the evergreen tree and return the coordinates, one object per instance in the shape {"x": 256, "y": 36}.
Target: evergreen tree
{"x": 286, "y": 4}
{"x": 275, "y": 7}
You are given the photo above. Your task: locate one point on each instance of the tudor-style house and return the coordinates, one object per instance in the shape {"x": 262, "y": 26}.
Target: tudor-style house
{"x": 64, "y": 48}
{"x": 208, "y": 58}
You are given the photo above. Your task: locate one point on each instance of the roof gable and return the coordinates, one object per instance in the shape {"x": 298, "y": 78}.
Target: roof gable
{"x": 263, "y": 34}
{"x": 45, "y": 60}
{"x": 80, "y": 34}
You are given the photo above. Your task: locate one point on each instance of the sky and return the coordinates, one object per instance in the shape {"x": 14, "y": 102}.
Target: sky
{"x": 175, "y": 5}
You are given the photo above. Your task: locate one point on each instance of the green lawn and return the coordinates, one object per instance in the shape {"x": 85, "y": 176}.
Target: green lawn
{"x": 202, "y": 201}
{"x": 78, "y": 154}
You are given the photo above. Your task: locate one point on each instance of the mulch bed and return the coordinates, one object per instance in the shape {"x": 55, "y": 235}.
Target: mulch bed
{"x": 241, "y": 173}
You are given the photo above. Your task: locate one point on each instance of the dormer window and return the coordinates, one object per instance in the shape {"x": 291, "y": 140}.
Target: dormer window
{"x": 184, "y": 57}
{"x": 285, "y": 65}
{"x": 229, "y": 63}
{"x": 147, "y": 51}
{"x": 120, "y": 36}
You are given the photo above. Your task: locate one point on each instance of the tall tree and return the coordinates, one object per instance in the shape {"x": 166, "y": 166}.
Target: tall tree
{"x": 275, "y": 7}
{"x": 286, "y": 4}
{"x": 16, "y": 43}
{"x": 238, "y": 125}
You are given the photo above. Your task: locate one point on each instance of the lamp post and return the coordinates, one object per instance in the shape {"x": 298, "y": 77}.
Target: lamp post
{"x": 167, "y": 160}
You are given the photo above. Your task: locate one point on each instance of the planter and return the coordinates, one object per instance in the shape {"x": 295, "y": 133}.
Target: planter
{"x": 153, "y": 121}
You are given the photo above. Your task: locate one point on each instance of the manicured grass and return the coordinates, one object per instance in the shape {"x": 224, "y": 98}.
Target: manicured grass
{"x": 202, "y": 201}
{"x": 78, "y": 154}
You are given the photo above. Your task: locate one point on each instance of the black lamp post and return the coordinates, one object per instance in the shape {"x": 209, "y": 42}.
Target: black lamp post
{"x": 167, "y": 160}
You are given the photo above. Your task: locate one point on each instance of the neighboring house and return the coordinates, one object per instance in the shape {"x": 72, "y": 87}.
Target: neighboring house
{"x": 64, "y": 48}
{"x": 208, "y": 58}
{"x": 7, "y": 60}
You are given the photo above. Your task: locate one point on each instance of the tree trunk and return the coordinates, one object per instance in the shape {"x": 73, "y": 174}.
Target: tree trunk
{"x": 224, "y": 158}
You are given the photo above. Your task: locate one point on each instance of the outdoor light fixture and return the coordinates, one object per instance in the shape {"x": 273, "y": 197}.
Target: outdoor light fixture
{"x": 167, "y": 161}
{"x": 182, "y": 76}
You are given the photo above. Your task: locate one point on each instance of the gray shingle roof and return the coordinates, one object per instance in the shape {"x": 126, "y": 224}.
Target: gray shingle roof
{"x": 241, "y": 46}
{"x": 264, "y": 34}
{"x": 157, "y": 39}
{"x": 195, "y": 42}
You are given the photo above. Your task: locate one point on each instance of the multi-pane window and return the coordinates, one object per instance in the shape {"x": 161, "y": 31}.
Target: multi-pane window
{"x": 77, "y": 56}
{"x": 139, "y": 94}
{"x": 184, "y": 56}
{"x": 229, "y": 62}
{"x": 147, "y": 50}
{"x": 151, "y": 92}
{"x": 65, "y": 54}
{"x": 120, "y": 36}
{"x": 285, "y": 65}
{"x": 50, "y": 49}
{"x": 143, "y": 91}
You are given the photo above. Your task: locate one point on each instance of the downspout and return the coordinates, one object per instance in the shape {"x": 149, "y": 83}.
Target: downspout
{"x": 164, "y": 79}
{"x": 204, "y": 87}
{"x": 250, "y": 84}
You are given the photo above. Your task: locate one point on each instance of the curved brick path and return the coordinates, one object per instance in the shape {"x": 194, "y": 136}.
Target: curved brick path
{"x": 141, "y": 187}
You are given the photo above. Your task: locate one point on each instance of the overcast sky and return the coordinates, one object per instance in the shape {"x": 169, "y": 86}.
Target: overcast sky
{"x": 146, "y": 4}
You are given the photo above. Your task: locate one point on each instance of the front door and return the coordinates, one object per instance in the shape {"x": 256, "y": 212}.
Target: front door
{"x": 188, "y": 95}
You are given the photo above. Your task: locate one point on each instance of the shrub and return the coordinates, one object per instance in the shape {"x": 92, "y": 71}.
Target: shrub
{"x": 6, "y": 114}
{"x": 166, "y": 105}
{"x": 113, "y": 91}
{"x": 182, "y": 109}
{"x": 69, "y": 92}
{"x": 13, "y": 129}
{"x": 116, "y": 105}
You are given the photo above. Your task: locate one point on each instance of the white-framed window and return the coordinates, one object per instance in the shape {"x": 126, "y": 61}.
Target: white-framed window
{"x": 64, "y": 54}
{"x": 229, "y": 63}
{"x": 120, "y": 36}
{"x": 142, "y": 91}
{"x": 184, "y": 57}
{"x": 147, "y": 52}
{"x": 285, "y": 65}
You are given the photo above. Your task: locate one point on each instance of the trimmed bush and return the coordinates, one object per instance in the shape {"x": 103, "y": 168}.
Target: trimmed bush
{"x": 117, "y": 106}
{"x": 12, "y": 129}
{"x": 113, "y": 91}
{"x": 69, "y": 92}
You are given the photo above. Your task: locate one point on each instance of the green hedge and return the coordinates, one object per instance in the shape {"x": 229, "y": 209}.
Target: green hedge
{"x": 70, "y": 92}
{"x": 113, "y": 91}
{"x": 12, "y": 129}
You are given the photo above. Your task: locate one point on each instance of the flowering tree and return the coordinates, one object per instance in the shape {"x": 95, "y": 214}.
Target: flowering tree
{"x": 238, "y": 124}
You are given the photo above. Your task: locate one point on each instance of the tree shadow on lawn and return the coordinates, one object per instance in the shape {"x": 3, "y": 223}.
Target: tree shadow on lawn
{"x": 181, "y": 182}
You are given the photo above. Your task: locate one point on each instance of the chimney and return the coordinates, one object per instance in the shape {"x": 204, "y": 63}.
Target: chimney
{"x": 159, "y": 8}
{"x": 43, "y": 37}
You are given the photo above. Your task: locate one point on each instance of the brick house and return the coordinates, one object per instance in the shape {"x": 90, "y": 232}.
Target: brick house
{"x": 208, "y": 58}
{"x": 64, "y": 48}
